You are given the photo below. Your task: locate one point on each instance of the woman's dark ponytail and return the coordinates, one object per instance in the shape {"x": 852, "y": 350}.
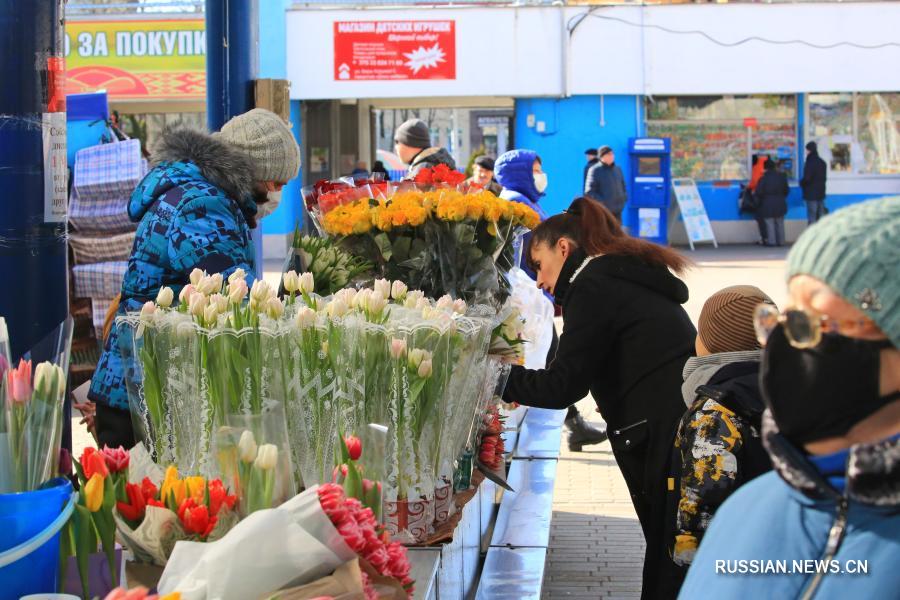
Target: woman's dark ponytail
{"x": 595, "y": 229}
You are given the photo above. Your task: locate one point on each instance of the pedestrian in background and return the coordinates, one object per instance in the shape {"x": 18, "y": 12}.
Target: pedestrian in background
{"x": 757, "y": 168}
{"x": 412, "y": 143}
{"x": 591, "y": 156}
{"x": 717, "y": 446}
{"x": 361, "y": 171}
{"x": 483, "y": 175}
{"x": 625, "y": 340}
{"x": 830, "y": 378}
{"x": 378, "y": 167}
{"x": 771, "y": 199}
{"x": 815, "y": 173}
{"x": 606, "y": 183}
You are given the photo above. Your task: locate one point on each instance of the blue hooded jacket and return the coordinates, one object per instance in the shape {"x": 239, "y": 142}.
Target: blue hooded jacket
{"x": 514, "y": 170}
{"x": 193, "y": 209}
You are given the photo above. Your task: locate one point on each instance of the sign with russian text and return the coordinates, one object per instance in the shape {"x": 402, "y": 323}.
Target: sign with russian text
{"x": 137, "y": 60}
{"x": 394, "y": 50}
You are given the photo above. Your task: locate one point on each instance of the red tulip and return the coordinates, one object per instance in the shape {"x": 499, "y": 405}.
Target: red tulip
{"x": 136, "y": 507}
{"x": 218, "y": 497}
{"x": 93, "y": 462}
{"x": 196, "y": 519}
{"x": 354, "y": 447}
{"x": 116, "y": 458}
{"x": 149, "y": 490}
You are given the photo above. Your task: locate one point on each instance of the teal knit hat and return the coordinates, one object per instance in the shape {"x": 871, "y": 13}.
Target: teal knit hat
{"x": 856, "y": 251}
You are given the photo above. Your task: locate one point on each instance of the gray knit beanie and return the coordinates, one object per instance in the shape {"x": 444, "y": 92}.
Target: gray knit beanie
{"x": 414, "y": 133}
{"x": 856, "y": 251}
{"x": 267, "y": 141}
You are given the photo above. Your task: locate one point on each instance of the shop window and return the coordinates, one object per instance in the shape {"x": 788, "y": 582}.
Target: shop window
{"x": 710, "y": 140}
{"x": 857, "y": 132}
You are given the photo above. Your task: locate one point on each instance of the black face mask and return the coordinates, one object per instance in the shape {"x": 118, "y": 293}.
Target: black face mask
{"x": 821, "y": 392}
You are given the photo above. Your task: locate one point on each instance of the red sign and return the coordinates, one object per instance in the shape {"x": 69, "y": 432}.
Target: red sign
{"x": 56, "y": 84}
{"x": 394, "y": 50}
{"x": 750, "y": 122}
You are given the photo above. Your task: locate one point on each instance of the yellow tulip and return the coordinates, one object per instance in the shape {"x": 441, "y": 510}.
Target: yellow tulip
{"x": 93, "y": 493}
{"x": 172, "y": 484}
{"x": 196, "y": 489}
{"x": 172, "y": 596}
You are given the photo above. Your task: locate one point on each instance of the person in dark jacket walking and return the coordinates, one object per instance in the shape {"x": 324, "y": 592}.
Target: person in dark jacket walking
{"x": 194, "y": 210}
{"x": 378, "y": 167}
{"x": 830, "y": 379}
{"x": 771, "y": 202}
{"x": 626, "y": 339}
{"x": 718, "y": 446}
{"x": 606, "y": 184}
{"x": 591, "y": 155}
{"x": 412, "y": 143}
{"x": 521, "y": 174}
{"x": 815, "y": 173}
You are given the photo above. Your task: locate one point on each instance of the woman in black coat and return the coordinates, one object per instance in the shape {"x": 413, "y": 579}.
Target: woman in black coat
{"x": 626, "y": 339}
{"x": 771, "y": 197}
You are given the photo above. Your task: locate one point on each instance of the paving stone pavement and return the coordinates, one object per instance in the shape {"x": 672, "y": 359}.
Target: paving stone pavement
{"x": 596, "y": 545}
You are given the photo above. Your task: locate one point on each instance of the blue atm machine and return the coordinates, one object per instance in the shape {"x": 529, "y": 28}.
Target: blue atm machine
{"x": 649, "y": 193}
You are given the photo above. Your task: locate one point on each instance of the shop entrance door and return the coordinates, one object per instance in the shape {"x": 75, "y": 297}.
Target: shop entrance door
{"x": 331, "y": 140}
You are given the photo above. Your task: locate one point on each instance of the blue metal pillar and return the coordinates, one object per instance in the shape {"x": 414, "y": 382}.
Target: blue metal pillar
{"x": 232, "y": 64}
{"x": 33, "y": 253}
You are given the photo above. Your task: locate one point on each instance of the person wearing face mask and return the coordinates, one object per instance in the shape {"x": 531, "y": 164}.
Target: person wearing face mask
{"x": 606, "y": 184}
{"x": 194, "y": 209}
{"x": 830, "y": 378}
{"x": 625, "y": 340}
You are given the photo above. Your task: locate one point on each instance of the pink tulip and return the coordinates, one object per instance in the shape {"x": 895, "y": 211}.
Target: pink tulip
{"x": 18, "y": 381}
{"x": 116, "y": 458}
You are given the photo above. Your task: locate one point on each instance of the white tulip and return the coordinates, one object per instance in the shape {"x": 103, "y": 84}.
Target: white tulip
{"x": 412, "y": 298}
{"x": 261, "y": 292}
{"x": 307, "y": 284}
{"x": 237, "y": 291}
{"x": 383, "y": 286}
{"x": 207, "y": 285}
{"x": 218, "y": 280}
{"x": 197, "y": 304}
{"x": 416, "y": 356}
{"x": 291, "y": 282}
{"x": 165, "y": 297}
{"x": 306, "y": 317}
{"x": 337, "y": 308}
{"x": 425, "y": 369}
{"x": 220, "y": 301}
{"x": 399, "y": 290}
{"x": 376, "y": 303}
{"x": 445, "y": 302}
{"x": 267, "y": 457}
{"x": 239, "y": 274}
{"x": 423, "y": 303}
{"x": 398, "y": 348}
{"x": 348, "y": 295}
{"x": 274, "y": 308}
{"x": 247, "y": 447}
{"x": 361, "y": 300}
{"x": 459, "y": 306}
{"x": 185, "y": 296}
{"x": 196, "y": 276}
{"x": 148, "y": 311}
{"x": 211, "y": 313}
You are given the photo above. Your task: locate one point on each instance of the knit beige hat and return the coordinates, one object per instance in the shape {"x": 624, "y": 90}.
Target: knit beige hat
{"x": 267, "y": 141}
{"x": 726, "y": 321}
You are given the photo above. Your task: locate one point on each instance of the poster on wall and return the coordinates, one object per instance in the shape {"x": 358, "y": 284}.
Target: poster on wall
{"x": 394, "y": 50}
{"x": 153, "y": 59}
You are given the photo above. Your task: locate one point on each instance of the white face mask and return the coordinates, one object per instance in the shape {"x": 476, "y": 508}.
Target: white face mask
{"x": 540, "y": 182}
{"x": 267, "y": 208}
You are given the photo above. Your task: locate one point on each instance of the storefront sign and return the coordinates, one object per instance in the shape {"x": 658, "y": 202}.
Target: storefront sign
{"x": 394, "y": 50}
{"x": 137, "y": 60}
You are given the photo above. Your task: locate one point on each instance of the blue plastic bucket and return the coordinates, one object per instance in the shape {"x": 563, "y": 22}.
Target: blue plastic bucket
{"x": 29, "y": 538}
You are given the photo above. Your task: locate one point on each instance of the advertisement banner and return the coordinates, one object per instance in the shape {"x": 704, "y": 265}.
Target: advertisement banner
{"x": 394, "y": 50}
{"x": 162, "y": 59}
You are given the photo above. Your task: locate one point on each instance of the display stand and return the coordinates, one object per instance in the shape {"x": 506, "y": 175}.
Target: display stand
{"x": 693, "y": 212}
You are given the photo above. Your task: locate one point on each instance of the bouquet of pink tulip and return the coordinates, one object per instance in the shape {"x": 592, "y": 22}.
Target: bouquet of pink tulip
{"x": 31, "y": 417}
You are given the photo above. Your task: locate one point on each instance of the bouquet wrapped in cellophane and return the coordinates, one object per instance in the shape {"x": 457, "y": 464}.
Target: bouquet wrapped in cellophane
{"x": 435, "y": 233}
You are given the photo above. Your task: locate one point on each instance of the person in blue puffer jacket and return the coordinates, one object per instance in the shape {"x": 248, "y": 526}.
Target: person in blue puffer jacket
{"x": 195, "y": 210}
{"x": 522, "y": 176}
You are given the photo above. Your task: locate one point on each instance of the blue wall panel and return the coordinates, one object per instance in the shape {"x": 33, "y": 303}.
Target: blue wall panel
{"x": 573, "y": 125}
